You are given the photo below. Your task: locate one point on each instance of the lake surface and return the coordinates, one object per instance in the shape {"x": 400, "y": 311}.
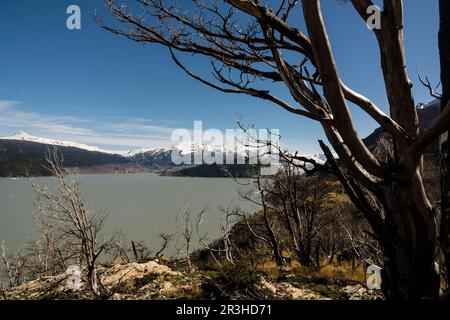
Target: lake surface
{"x": 138, "y": 204}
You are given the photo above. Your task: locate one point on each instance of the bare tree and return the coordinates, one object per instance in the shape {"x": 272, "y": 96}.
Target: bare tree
{"x": 63, "y": 213}
{"x": 364, "y": 246}
{"x": 263, "y": 227}
{"x": 165, "y": 241}
{"x": 119, "y": 250}
{"x": 14, "y": 267}
{"x": 8, "y": 272}
{"x": 140, "y": 251}
{"x": 228, "y": 221}
{"x": 222, "y": 248}
{"x": 185, "y": 222}
{"x": 31, "y": 262}
{"x": 249, "y": 42}
{"x": 48, "y": 255}
{"x": 307, "y": 205}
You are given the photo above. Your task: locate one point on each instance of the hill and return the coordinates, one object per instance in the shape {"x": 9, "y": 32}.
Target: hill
{"x": 214, "y": 170}
{"x": 427, "y": 113}
{"x": 26, "y": 158}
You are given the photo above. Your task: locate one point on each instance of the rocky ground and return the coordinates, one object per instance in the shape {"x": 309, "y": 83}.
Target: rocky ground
{"x": 155, "y": 280}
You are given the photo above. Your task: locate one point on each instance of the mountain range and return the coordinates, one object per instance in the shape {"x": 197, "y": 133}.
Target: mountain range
{"x": 427, "y": 113}
{"x": 24, "y": 155}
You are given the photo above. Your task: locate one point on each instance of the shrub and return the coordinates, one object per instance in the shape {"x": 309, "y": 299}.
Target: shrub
{"x": 131, "y": 286}
{"x": 231, "y": 280}
{"x": 146, "y": 279}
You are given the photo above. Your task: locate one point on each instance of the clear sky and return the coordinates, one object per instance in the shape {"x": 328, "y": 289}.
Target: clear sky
{"x": 97, "y": 88}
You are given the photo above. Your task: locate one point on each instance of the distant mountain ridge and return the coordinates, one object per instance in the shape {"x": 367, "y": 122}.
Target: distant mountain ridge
{"x": 427, "y": 113}
{"x": 23, "y": 154}
{"x": 23, "y": 136}
{"x": 163, "y": 156}
{"x": 27, "y": 158}
{"x": 214, "y": 171}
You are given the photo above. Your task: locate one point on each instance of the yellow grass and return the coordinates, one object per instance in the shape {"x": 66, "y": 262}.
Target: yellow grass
{"x": 331, "y": 271}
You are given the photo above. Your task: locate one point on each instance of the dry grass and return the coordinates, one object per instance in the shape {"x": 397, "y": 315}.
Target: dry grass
{"x": 330, "y": 271}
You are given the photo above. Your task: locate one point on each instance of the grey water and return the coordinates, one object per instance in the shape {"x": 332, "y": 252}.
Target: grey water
{"x": 140, "y": 205}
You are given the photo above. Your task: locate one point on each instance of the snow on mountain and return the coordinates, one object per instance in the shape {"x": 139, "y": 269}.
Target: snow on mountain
{"x": 23, "y": 136}
{"x": 156, "y": 155}
{"x": 431, "y": 104}
{"x": 135, "y": 152}
{"x": 182, "y": 149}
{"x": 163, "y": 155}
{"x": 186, "y": 148}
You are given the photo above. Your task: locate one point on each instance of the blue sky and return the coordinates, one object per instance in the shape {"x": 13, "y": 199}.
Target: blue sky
{"x": 96, "y": 88}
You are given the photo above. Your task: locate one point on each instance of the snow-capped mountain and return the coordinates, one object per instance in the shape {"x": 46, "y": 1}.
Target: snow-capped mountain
{"x": 188, "y": 150}
{"x": 433, "y": 104}
{"x": 427, "y": 113}
{"x": 23, "y": 136}
{"x": 24, "y": 155}
{"x": 182, "y": 149}
{"x": 161, "y": 156}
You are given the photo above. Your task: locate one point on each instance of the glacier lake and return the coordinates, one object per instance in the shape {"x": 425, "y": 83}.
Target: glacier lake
{"x": 140, "y": 205}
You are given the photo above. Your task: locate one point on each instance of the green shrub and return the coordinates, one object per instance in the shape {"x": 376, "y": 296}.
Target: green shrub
{"x": 131, "y": 286}
{"x": 126, "y": 287}
{"x": 58, "y": 295}
{"x": 148, "y": 278}
{"x": 328, "y": 292}
{"x": 231, "y": 279}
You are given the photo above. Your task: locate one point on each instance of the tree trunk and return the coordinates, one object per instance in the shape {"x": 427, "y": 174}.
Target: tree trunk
{"x": 93, "y": 281}
{"x": 304, "y": 253}
{"x": 304, "y": 257}
{"x": 276, "y": 249}
{"x": 406, "y": 230}
{"x": 272, "y": 239}
{"x": 444, "y": 50}
{"x": 279, "y": 260}
{"x": 410, "y": 245}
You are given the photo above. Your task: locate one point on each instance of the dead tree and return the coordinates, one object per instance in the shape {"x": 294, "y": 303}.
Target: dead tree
{"x": 7, "y": 272}
{"x": 63, "y": 213}
{"x": 140, "y": 251}
{"x": 165, "y": 241}
{"x": 302, "y": 203}
{"x": 263, "y": 227}
{"x": 222, "y": 249}
{"x": 249, "y": 42}
{"x": 15, "y": 267}
{"x": 48, "y": 255}
{"x": 185, "y": 224}
{"x": 363, "y": 246}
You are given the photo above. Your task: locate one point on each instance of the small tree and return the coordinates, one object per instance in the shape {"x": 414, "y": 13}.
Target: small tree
{"x": 185, "y": 224}
{"x": 223, "y": 248}
{"x": 262, "y": 226}
{"x": 307, "y": 205}
{"x": 14, "y": 267}
{"x": 62, "y": 212}
{"x": 165, "y": 241}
